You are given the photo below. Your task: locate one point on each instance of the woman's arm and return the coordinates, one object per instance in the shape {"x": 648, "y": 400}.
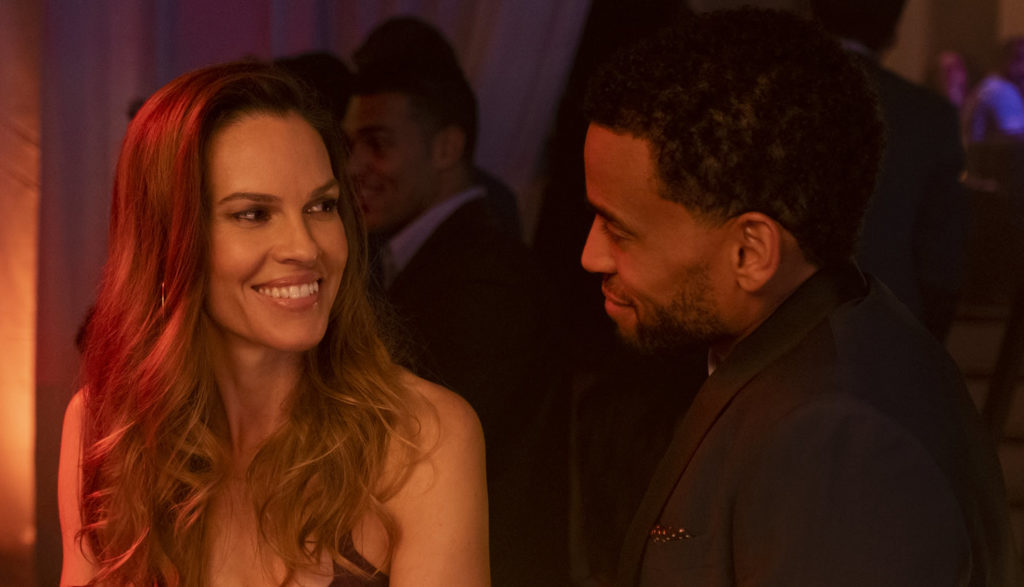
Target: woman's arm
{"x": 441, "y": 511}
{"x": 76, "y": 570}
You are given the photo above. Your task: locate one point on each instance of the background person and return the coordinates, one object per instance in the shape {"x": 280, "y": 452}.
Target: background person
{"x": 324, "y": 74}
{"x": 914, "y": 233}
{"x": 460, "y": 286}
{"x": 952, "y": 78}
{"x": 994, "y": 110}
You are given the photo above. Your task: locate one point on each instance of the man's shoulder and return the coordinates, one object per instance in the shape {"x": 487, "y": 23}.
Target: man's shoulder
{"x": 901, "y": 97}
{"x": 473, "y": 217}
{"x": 886, "y": 359}
{"x": 867, "y": 370}
{"x": 879, "y": 321}
{"x": 472, "y": 233}
{"x": 869, "y": 350}
{"x": 467, "y": 251}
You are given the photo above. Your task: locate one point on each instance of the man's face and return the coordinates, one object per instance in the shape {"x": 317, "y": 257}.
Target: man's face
{"x": 661, "y": 266}
{"x": 390, "y": 162}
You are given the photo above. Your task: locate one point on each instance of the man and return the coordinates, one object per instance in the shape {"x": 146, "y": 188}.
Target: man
{"x": 325, "y": 74}
{"x": 915, "y": 228}
{"x": 407, "y": 56}
{"x": 462, "y": 288}
{"x": 729, "y": 161}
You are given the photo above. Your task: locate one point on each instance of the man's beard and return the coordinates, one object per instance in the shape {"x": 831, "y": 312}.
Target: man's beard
{"x": 690, "y": 321}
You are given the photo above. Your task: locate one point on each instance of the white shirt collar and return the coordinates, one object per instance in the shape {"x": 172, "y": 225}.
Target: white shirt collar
{"x": 406, "y": 242}
{"x": 857, "y": 47}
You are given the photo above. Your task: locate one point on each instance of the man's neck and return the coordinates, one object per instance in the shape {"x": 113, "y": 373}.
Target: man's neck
{"x": 453, "y": 181}
{"x": 761, "y": 305}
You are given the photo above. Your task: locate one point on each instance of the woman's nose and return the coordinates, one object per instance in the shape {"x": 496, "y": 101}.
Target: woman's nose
{"x": 296, "y": 242}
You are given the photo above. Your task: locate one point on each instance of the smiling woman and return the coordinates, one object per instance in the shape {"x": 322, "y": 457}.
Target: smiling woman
{"x": 241, "y": 421}
{"x": 275, "y": 235}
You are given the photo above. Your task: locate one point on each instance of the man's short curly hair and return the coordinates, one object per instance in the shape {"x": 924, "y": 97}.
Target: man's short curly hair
{"x": 410, "y": 56}
{"x": 752, "y": 110}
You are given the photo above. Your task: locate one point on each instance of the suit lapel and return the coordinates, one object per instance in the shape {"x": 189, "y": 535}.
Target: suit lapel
{"x": 454, "y": 232}
{"x": 787, "y": 326}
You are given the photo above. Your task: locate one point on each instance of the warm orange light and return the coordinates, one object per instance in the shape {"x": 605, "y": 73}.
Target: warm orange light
{"x": 19, "y": 208}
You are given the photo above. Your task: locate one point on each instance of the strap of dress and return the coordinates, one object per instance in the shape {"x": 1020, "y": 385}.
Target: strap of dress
{"x": 343, "y": 578}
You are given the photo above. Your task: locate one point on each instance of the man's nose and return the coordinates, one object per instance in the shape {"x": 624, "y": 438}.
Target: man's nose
{"x": 596, "y": 257}
{"x": 357, "y": 159}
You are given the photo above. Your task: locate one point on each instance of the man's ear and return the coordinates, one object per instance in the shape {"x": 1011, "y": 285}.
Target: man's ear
{"x": 757, "y": 250}
{"x": 448, "y": 146}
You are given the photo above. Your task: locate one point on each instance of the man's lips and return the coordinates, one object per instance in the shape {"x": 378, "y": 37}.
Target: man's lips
{"x": 610, "y": 297}
{"x": 369, "y": 188}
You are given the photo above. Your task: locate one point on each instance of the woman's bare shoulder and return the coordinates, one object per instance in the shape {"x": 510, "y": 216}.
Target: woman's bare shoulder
{"x": 443, "y": 415}
{"x": 441, "y": 510}
{"x": 75, "y": 406}
{"x": 72, "y": 429}
{"x": 76, "y": 568}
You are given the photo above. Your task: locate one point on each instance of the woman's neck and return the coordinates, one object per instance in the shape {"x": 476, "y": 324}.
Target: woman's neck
{"x": 255, "y": 385}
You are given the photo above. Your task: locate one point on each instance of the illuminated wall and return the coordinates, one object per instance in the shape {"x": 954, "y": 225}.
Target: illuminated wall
{"x": 1011, "y": 18}
{"x": 20, "y": 21}
{"x": 911, "y": 53}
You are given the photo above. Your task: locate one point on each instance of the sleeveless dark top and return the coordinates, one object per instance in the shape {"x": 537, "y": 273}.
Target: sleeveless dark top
{"x": 343, "y": 578}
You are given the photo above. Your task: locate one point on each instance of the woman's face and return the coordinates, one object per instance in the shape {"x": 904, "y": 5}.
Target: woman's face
{"x": 277, "y": 242}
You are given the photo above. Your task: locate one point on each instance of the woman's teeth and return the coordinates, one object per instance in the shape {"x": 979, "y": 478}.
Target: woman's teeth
{"x": 291, "y": 291}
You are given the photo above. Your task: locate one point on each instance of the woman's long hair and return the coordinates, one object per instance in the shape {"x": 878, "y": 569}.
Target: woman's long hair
{"x": 154, "y": 431}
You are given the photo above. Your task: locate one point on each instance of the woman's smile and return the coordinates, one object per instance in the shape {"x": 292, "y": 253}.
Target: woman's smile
{"x": 276, "y": 232}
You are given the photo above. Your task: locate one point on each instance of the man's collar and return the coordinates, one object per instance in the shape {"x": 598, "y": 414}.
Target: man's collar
{"x": 859, "y": 48}
{"x": 404, "y": 244}
{"x": 810, "y": 303}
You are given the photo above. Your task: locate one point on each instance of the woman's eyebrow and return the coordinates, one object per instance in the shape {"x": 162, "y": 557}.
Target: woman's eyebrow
{"x": 251, "y": 196}
{"x": 262, "y": 198}
{"x": 331, "y": 184}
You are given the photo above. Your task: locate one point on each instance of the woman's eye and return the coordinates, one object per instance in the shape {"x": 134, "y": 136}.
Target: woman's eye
{"x": 252, "y": 215}
{"x": 329, "y": 205}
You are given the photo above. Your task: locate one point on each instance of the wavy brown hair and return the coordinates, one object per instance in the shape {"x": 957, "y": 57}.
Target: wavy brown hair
{"x": 154, "y": 432}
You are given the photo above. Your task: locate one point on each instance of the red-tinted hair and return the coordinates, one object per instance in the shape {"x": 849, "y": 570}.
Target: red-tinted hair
{"x": 154, "y": 432}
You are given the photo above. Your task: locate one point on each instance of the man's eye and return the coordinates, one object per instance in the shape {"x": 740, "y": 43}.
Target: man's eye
{"x": 328, "y": 206}
{"x": 379, "y": 144}
{"x": 252, "y": 215}
{"x": 610, "y": 232}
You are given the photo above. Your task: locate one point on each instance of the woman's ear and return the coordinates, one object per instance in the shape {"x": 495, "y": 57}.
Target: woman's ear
{"x": 448, "y": 146}
{"x": 757, "y": 240}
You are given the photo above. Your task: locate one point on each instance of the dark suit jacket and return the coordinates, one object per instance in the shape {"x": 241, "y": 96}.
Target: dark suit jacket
{"x": 836, "y": 445}
{"x": 470, "y": 304}
{"x": 915, "y": 228}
